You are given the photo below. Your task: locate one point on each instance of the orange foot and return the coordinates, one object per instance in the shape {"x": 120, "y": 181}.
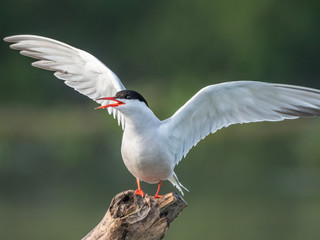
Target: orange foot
{"x": 139, "y": 192}
{"x": 157, "y": 195}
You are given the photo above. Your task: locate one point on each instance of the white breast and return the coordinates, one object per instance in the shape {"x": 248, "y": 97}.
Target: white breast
{"x": 145, "y": 154}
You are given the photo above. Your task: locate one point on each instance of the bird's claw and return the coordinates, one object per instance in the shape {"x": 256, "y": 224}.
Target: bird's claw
{"x": 139, "y": 192}
{"x": 158, "y": 196}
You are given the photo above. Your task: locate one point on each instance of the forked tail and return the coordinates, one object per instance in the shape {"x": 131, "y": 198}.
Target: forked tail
{"x": 175, "y": 182}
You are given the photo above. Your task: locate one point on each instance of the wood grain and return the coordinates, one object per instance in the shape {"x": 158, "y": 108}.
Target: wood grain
{"x": 134, "y": 217}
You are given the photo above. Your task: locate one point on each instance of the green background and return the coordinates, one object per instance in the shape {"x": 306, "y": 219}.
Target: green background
{"x": 60, "y": 162}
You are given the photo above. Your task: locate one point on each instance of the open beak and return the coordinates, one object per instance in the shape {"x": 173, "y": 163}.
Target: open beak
{"x": 115, "y": 104}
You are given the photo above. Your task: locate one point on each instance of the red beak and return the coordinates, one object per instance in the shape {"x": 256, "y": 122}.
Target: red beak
{"x": 116, "y": 104}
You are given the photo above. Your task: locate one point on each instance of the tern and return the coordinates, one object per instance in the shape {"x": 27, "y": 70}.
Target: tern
{"x": 151, "y": 148}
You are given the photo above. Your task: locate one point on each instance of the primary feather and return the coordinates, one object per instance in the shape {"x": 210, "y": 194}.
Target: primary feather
{"x": 79, "y": 69}
{"x": 221, "y": 105}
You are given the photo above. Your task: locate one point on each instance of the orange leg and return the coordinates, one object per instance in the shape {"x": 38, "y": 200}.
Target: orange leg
{"x": 157, "y": 193}
{"x": 139, "y": 191}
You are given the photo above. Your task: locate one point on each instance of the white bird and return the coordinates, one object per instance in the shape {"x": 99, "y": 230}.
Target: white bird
{"x": 152, "y": 148}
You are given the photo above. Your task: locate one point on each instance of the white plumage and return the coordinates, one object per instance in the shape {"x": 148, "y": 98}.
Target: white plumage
{"x": 151, "y": 148}
{"x": 222, "y": 105}
{"x": 79, "y": 69}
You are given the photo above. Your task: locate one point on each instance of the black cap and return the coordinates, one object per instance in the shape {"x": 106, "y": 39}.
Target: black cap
{"x": 130, "y": 94}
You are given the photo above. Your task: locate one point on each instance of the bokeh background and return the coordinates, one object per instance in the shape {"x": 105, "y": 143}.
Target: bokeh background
{"x": 60, "y": 162}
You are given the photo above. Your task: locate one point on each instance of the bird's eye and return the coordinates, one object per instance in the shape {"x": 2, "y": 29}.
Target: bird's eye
{"x": 128, "y": 97}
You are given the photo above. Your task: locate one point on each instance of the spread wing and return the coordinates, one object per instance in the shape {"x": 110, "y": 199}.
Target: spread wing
{"x": 221, "y": 105}
{"x": 79, "y": 69}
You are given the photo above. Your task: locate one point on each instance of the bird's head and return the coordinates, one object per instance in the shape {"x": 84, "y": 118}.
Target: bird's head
{"x": 125, "y": 100}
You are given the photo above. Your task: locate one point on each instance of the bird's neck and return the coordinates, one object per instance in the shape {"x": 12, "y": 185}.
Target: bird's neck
{"x": 141, "y": 120}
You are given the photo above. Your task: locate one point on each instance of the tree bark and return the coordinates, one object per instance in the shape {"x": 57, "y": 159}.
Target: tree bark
{"x": 134, "y": 217}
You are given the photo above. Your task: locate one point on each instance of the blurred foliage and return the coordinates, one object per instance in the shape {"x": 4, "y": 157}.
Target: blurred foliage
{"x": 60, "y": 161}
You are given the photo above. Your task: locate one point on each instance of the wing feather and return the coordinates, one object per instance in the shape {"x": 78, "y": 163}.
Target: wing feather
{"x": 79, "y": 69}
{"x": 221, "y": 105}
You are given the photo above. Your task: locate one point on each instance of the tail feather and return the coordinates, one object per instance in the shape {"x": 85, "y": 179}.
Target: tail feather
{"x": 175, "y": 182}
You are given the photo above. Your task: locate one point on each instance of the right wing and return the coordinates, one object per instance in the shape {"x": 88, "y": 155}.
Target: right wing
{"x": 222, "y": 105}
{"x": 79, "y": 69}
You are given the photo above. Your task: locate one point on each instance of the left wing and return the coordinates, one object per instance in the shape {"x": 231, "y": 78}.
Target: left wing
{"x": 79, "y": 69}
{"x": 221, "y": 105}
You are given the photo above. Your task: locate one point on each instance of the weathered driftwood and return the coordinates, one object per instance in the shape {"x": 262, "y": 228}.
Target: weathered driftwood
{"x": 135, "y": 217}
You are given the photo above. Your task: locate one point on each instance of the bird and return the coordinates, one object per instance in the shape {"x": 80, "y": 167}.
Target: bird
{"x": 151, "y": 148}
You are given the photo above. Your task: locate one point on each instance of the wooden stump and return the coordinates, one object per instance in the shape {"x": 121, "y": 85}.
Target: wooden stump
{"x": 135, "y": 217}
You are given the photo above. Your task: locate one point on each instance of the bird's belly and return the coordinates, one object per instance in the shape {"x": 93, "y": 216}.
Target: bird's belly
{"x": 147, "y": 162}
